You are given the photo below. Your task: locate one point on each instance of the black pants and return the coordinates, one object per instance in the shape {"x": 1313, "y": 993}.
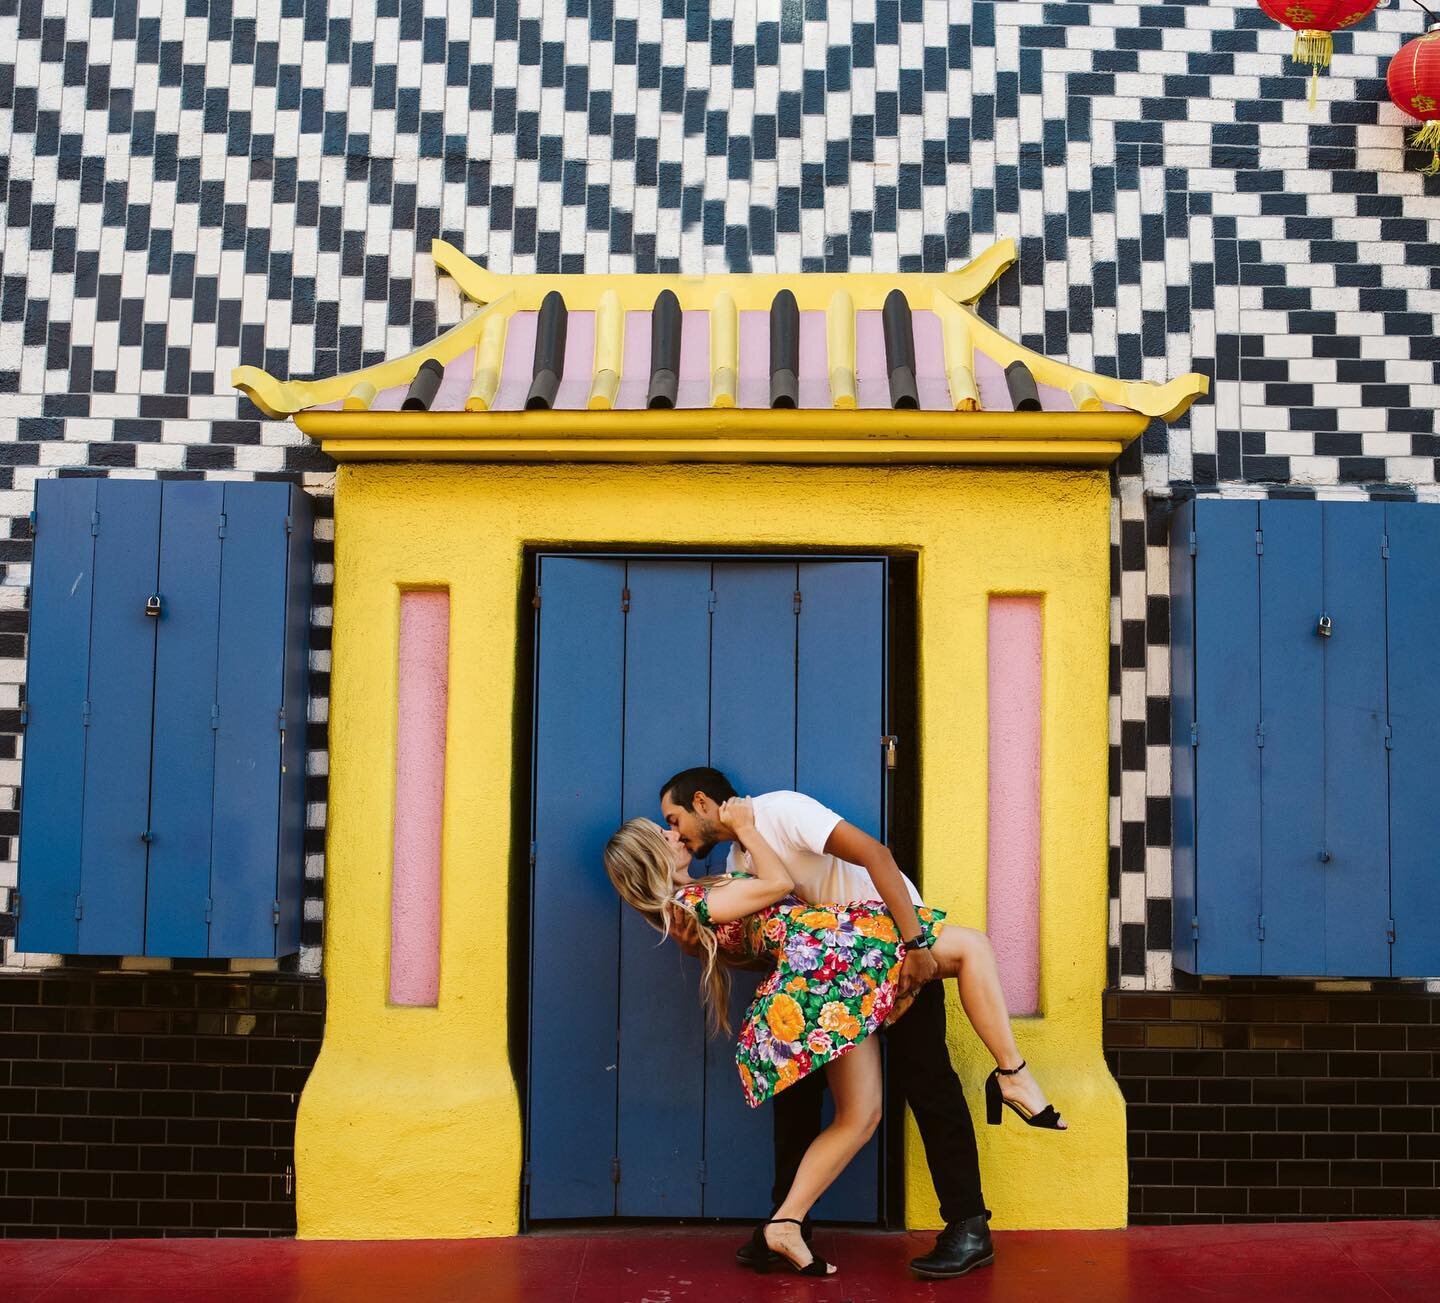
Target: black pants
{"x": 920, "y": 1068}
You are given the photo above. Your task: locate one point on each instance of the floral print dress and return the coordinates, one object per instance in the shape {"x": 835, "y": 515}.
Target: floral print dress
{"x": 836, "y": 974}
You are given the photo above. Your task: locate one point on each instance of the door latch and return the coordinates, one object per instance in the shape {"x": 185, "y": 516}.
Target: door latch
{"x": 1324, "y": 626}
{"x": 152, "y": 606}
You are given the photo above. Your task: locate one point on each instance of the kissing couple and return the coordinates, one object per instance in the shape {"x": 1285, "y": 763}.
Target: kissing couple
{"x": 855, "y": 951}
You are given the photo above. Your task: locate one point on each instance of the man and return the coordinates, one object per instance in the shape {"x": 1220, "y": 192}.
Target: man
{"x": 834, "y": 862}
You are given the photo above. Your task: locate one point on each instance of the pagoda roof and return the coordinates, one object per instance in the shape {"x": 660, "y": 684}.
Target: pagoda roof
{"x": 815, "y": 367}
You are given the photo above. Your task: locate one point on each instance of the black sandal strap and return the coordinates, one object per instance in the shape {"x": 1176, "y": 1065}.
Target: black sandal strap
{"x": 1010, "y": 1072}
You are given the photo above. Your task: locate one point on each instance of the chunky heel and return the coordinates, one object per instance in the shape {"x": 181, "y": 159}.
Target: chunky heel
{"x": 1047, "y": 1117}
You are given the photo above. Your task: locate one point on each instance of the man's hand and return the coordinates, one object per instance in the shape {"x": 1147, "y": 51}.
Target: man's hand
{"x": 920, "y": 966}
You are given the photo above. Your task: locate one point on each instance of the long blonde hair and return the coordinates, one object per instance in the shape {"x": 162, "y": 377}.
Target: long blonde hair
{"x": 637, "y": 860}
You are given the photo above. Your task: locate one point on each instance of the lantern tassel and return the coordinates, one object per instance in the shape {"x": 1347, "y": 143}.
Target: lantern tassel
{"x": 1428, "y": 137}
{"x": 1315, "y": 48}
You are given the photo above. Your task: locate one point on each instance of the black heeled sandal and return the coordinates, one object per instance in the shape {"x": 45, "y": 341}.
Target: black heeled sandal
{"x": 817, "y": 1266}
{"x": 1047, "y": 1117}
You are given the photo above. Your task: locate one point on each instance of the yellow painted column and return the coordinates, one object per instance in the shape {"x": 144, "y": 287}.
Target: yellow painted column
{"x": 410, "y": 1124}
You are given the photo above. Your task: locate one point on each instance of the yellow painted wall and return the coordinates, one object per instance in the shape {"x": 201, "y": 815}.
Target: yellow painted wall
{"x": 410, "y": 1124}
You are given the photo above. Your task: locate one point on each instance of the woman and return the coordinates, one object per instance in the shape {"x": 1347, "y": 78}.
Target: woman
{"x": 834, "y": 984}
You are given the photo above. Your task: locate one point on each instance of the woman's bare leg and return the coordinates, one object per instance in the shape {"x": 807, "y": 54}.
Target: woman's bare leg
{"x": 966, "y": 955}
{"x": 854, "y": 1080}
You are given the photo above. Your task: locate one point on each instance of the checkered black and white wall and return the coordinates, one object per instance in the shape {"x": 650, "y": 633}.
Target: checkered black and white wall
{"x": 193, "y": 185}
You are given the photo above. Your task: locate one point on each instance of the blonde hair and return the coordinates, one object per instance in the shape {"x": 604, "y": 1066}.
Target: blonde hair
{"x": 637, "y": 860}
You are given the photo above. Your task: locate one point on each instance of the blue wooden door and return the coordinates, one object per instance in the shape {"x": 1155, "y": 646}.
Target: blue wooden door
{"x": 771, "y": 670}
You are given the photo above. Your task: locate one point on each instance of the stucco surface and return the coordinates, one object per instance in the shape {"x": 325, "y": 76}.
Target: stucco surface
{"x": 411, "y": 1123}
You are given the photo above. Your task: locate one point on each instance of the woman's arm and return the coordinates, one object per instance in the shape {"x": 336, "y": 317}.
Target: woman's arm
{"x": 772, "y": 880}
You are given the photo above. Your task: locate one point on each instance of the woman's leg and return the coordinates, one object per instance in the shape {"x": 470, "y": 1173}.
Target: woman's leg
{"x": 854, "y": 1081}
{"x": 966, "y": 955}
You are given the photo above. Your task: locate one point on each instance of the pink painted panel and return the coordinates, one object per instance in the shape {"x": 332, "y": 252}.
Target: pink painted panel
{"x": 1013, "y": 891}
{"x": 574, "y": 391}
{"x": 753, "y": 389}
{"x": 424, "y": 693}
{"x": 990, "y": 381}
{"x": 694, "y": 386}
{"x": 872, "y": 372}
{"x": 635, "y": 365}
{"x": 517, "y": 369}
{"x": 455, "y": 383}
{"x": 814, "y": 361}
{"x": 930, "y": 380}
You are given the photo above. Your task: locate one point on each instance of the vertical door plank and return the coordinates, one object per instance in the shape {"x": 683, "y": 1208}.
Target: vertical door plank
{"x": 299, "y": 561}
{"x": 122, "y": 680}
{"x": 183, "y": 753}
{"x": 1292, "y": 761}
{"x": 57, "y": 677}
{"x": 575, "y": 914}
{"x": 1413, "y": 591}
{"x": 1182, "y": 717}
{"x": 1356, "y": 877}
{"x": 249, "y": 690}
{"x": 662, "y": 1026}
{"x": 1227, "y": 709}
{"x": 752, "y": 738}
{"x": 840, "y": 696}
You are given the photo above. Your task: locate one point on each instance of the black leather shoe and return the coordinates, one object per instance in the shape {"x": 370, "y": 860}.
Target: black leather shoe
{"x": 759, "y": 1256}
{"x": 960, "y": 1247}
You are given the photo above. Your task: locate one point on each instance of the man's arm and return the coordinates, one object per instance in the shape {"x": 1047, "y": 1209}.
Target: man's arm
{"x": 847, "y": 842}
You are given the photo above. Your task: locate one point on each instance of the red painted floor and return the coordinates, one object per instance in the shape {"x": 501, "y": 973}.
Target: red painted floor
{"x": 1354, "y": 1262}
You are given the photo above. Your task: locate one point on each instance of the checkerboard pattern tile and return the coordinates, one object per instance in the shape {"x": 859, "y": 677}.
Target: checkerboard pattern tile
{"x": 190, "y": 185}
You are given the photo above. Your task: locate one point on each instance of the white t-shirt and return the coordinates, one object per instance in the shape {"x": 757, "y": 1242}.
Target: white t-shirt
{"x": 798, "y": 827}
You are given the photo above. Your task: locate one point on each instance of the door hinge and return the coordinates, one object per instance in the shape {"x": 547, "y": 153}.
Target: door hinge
{"x": 1194, "y": 927}
{"x": 1259, "y": 542}
{"x": 24, "y": 715}
{"x": 525, "y": 1176}
{"x": 34, "y": 525}
{"x": 702, "y": 1172}
{"x": 220, "y": 531}
{"x": 799, "y": 601}
{"x": 624, "y": 600}
{"x": 15, "y": 905}
{"x": 214, "y": 714}
{"x": 889, "y": 742}
{"x": 532, "y": 855}
{"x": 289, "y": 524}
{"x": 209, "y": 908}
{"x": 1385, "y": 546}
{"x": 1194, "y": 735}
{"x": 85, "y": 714}
{"x": 535, "y": 601}
{"x": 280, "y": 718}
{"x": 1193, "y": 543}
{"x": 1390, "y": 931}
{"x": 1389, "y": 737}
{"x": 1260, "y": 734}
{"x": 95, "y": 524}
{"x": 710, "y": 602}
{"x": 79, "y": 907}
{"x": 615, "y": 1171}
{"x": 1260, "y": 928}
{"x": 275, "y": 913}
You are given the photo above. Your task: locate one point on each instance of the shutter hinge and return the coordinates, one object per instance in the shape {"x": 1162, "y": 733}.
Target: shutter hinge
{"x": 289, "y": 524}
{"x": 615, "y": 1171}
{"x": 209, "y": 908}
{"x": 214, "y": 714}
{"x": 702, "y": 1171}
{"x": 799, "y": 601}
{"x": 220, "y": 531}
{"x": 1385, "y": 546}
{"x": 889, "y": 742}
{"x": 85, "y": 714}
{"x": 1194, "y": 735}
{"x": 24, "y": 715}
{"x": 1260, "y": 734}
{"x": 79, "y": 907}
{"x": 1260, "y": 928}
{"x": 1194, "y": 926}
{"x": 280, "y": 718}
{"x": 710, "y": 602}
{"x": 1259, "y": 542}
{"x": 275, "y": 913}
{"x": 532, "y": 855}
{"x": 1390, "y": 932}
{"x": 525, "y": 1176}
{"x": 15, "y": 905}
{"x": 1193, "y": 543}
{"x": 34, "y": 525}
{"x": 95, "y": 524}
{"x": 624, "y": 599}
{"x": 1389, "y": 737}
{"x": 535, "y": 601}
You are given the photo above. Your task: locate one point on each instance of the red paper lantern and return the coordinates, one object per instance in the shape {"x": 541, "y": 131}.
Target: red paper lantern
{"x": 1313, "y": 21}
{"x": 1414, "y": 84}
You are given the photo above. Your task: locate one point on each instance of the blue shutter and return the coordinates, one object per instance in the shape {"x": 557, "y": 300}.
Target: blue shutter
{"x": 574, "y": 994}
{"x": 295, "y": 687}
{"x": 244, "y": 852}
{"x": 122, "y": 682}
{"x": 662, "y": 1025}
{"x": 1356, "y": 877}
{"x": 1184, "y": 737}
{"x": 1413, "y": 592}
{"x": 183, "y": 755}
{"x": 752, "y": 739}
{"x": 1227, "y": 712}
{"x": 1292, "y": 764}
{"x": 56, "y": 688}
{"x": 840, "y": 695}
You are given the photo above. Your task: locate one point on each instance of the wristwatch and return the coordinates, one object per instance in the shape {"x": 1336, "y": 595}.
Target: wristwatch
{"x": 921, "y": 942}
